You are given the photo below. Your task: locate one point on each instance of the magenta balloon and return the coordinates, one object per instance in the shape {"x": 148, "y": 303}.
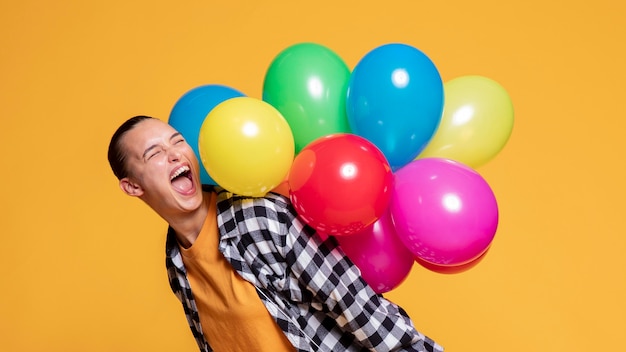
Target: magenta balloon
{"x": 377, "y": 251}
{"x": 451, "y": 269}
{"x": 443, "y": 211}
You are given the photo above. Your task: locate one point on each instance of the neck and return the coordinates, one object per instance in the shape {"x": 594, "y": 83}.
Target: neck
{"x": 188, "y": 226}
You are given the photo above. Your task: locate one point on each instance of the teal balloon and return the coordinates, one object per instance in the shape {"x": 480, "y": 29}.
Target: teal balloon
{"x": 395, "y": 100}
{"x": 189, "y": 113}
{"x": 307, "y": 84}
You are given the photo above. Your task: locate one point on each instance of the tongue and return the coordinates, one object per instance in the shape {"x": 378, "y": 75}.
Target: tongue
{"x": 182, "y": 184}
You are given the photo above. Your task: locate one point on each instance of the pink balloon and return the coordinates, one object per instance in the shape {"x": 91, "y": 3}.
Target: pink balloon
{"x": 443, "y": 211}
{"x": 451, "y": 269}
{"x": 377, "y": 251}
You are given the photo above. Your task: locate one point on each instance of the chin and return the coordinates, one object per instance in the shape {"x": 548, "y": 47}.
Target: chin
{"x": 191, "y": 205}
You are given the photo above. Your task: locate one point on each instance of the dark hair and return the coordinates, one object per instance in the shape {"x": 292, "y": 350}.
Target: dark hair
{"x": 116, "y": 155}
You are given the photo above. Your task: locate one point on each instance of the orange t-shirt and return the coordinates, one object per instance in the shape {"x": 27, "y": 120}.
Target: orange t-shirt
{"x": 232, "y": 315}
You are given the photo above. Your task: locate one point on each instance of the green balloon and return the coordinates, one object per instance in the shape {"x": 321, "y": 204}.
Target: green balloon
{"x": 308, "y": 84}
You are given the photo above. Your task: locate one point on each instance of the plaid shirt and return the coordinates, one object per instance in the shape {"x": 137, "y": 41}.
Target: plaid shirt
{"x": 314, "y": 292}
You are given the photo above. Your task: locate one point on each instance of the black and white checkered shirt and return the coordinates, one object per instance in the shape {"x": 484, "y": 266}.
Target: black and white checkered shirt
{"x": 313, "y": 291}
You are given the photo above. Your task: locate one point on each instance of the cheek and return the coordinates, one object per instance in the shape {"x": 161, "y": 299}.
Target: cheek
{"x": 159, "y": 163}
{"x": 191, "y": 155}
{"x": 154, "y": 170}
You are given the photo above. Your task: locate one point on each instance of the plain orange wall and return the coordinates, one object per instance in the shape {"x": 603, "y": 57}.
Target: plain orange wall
{"x": 82, "y": 265}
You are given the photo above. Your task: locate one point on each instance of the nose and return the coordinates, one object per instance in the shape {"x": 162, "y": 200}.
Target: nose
{"x": 173, "y": 154}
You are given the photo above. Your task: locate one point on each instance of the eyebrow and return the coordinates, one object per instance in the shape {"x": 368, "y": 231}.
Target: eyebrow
{"x": 143, "y": 156}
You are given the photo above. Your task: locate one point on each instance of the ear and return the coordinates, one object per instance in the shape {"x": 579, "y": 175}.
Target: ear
{"x": 131, "y": 188}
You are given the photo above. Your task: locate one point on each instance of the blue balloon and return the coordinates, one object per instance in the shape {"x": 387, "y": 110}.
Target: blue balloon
{"x": 395, "y": 100}
{"x": 189, "y": 113}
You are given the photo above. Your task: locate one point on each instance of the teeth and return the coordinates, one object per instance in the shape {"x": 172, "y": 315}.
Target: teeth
{"x": 181, "y": 170}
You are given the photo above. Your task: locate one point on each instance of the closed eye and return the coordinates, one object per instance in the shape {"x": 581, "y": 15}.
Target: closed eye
{"x": 177, "y": 138}
{"x": 155, "y": 153}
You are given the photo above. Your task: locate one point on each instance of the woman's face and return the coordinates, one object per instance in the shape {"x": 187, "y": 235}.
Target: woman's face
{"x": 162, "y": 168}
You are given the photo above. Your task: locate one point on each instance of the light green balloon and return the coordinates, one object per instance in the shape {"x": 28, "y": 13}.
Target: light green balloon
{"x": 476, "y": 124}
{"x": 307, "y": 83}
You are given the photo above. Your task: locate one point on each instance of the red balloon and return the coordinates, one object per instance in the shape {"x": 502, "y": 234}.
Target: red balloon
{"x": 340, "y": 184}
{"x": 383, "y": 259}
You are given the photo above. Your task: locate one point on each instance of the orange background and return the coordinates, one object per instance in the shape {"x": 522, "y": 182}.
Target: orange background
{"x": 82, "y": 265}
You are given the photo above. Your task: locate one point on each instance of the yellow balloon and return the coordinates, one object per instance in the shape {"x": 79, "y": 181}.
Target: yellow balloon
{"x": 246, "y": 146}
{"x": 477, "y": 121}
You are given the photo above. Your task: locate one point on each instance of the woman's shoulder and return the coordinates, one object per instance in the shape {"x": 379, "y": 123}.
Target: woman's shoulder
{"x": 229, "y": 200}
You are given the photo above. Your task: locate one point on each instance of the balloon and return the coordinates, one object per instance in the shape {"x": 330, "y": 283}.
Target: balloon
{"x": 383, "y": 259}
{"x": 339, "y": 184}
{"x": 395, "y": 100}
{"x": 190, "y": 111}
{"x": 307, "y": 83}
{"x": 476, "y": 124}
{"x": 322, "y": 235}
{"x": 282, "y": 188}
{"x": 443, "y": 211}
{"x": 246, "y": 146}
{"x": 451, "y": 269}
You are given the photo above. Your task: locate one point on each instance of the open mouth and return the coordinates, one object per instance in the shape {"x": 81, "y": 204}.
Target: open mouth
{"x": 182, "y": 179}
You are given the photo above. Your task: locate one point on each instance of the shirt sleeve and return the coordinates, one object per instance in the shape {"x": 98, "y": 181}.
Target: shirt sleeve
{"x": 318, "y": 273}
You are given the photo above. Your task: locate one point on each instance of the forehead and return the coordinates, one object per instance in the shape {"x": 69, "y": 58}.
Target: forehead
{"x": 145, "y": 134}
